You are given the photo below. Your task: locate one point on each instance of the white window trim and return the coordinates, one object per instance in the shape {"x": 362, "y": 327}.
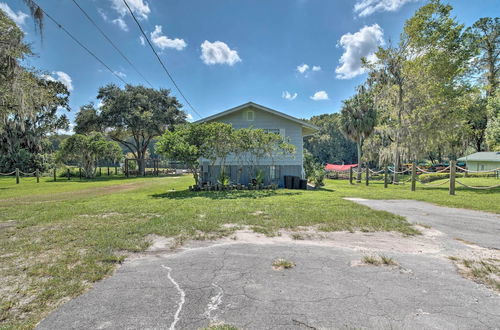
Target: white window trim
{"x": 247, "y": 113}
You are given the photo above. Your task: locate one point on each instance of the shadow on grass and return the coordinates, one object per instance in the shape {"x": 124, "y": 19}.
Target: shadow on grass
{"x": 110, "y": 178}
{"x": 233, "y": 194}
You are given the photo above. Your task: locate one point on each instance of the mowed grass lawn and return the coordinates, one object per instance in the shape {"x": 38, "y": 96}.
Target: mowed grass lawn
{"x": 57, "y": 238}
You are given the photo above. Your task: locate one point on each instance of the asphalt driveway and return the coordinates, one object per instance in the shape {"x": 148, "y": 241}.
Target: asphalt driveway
{"x": 232, "y": 281}
{"x": 328, "y": 288}
{"x": 480, "y": 228}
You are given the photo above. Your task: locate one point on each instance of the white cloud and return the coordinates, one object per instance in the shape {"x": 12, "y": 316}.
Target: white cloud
{"x": 356, "y": 45}
{"x": 120, "y": 74}
{"x": 302, "y": 68}
{"x": 368, "y": 7}
{"x": 218, "y": 52}
{"x": 142, "y": 40}
{"x": 62, "y": 77}
{"x": 287, "y": 96}
{"x": 320, "y": 95}
{"x": 189, "y": 117}
{"x": 138, "y": 7}
{"x": 121, "y": 23}
{"x": 103, "y": 14}
{"x": 18, "y": 17}
{"x": 161, "y": 41}
{"x": 69, "y": 131}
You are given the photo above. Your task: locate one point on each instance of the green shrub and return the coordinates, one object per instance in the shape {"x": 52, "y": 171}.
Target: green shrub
{"x": 223, "y": 179}
{"x": 25, "y": 161}
{"x": 318, "y": 177}
{"x": 426, "y": 178}
{"x": 259, "y": 176}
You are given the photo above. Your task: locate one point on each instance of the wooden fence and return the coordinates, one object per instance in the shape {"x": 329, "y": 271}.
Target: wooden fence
{"x": 415, "y": 172}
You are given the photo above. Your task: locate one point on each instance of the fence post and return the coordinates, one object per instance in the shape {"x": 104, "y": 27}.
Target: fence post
{"x": 100, "y": 171}
{"x": 367, "y": 175}
{"x": 55, "y": 174}
{"x": 452, "y": 177}
{"x": 385, "y": 176}
{"x": 350, "y": 175}
{"x": 413, "y": 176}
{"x": 126, "y": 168}
{"x": 69, "y": 174}
{"x": 17, "y": 175}
{"x": 108, "y": 170}
{"x": 116, "y": 170}
{"x": 80, "y": 172}
{"x": 37, "y": 176}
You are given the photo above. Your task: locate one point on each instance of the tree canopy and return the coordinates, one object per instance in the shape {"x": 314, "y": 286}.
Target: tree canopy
{"x": 132, "y": 116}
{"x": 357, "y": 120}
{"x": 30, "y": 105}
{"x": 215, "y": 141}
{"x": 88, "y": 149}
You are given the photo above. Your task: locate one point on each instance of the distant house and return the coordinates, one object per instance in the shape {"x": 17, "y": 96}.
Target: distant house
{"x": 482, "y": 161}
{"x": 252, "y": 115}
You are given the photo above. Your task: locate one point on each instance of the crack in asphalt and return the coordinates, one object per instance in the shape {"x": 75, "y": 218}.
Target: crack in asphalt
{"x": 213, "y": 304}
{"x": 182, "y": 295}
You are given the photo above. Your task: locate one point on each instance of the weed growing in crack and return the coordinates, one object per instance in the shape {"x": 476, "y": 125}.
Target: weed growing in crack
{"x": 388, "y": 261}
{"x": 379, "y": 260}
{"x": 371, "y": 260}
{"x": 280, "y": 264}
{"x": 485, "y": 271}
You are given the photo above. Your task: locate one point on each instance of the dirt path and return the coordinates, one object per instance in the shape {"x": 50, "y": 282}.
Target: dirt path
{"x": 77, "y": 194}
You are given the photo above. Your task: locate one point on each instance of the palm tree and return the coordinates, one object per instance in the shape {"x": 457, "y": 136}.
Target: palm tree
{"x": 357, "y": 120}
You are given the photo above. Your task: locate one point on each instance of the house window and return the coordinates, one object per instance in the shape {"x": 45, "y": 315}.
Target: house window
{"x": 250, "y": 115}
{"x": 272, "y": 172}
{"x": 482, "y": 167}
{"x": 272, "y": 130}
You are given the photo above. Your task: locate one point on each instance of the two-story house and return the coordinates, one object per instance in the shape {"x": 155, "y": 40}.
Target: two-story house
{"x": 252, "y": 115}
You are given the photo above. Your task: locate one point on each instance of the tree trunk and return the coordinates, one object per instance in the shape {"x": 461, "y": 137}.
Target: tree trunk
{"x": 492, "y": 79}
{"x": 140, "y": 163}
{"x": 358, "y": 145}
{"x": 398, "y": 133}
{"x": 196, "y": 177}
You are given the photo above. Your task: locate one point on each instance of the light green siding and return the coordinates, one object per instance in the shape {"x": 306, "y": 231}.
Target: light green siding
{"x": 475, "y": 165}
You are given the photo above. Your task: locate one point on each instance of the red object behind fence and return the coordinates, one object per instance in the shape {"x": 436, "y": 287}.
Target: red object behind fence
{"x": 339, "y": 168}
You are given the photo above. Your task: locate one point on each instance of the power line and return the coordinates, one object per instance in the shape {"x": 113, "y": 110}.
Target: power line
{"x": 111, "y": 42}
{"x": 159, "y": 59}
{"x": 80, "y": 44}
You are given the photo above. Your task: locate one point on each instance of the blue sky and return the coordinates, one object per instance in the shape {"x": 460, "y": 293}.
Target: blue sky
{"x": 297, "y": 56}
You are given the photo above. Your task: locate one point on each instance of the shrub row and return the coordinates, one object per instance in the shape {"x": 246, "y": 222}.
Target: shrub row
{"x": 426, "y": 178}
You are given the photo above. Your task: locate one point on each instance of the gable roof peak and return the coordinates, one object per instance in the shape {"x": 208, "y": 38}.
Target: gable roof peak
{"x": 260, "y": 107}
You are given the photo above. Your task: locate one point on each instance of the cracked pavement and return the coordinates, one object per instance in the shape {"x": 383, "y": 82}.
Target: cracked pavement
{"x": 233, "y": 282}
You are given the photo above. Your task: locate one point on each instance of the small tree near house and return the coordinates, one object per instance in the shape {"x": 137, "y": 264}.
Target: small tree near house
{"x": 187, "y": 143}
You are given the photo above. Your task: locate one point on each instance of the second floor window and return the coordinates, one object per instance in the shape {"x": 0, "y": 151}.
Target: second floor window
{"x": 272, "y": 130}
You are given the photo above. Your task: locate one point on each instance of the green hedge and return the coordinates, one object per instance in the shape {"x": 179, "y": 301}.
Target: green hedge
{"x": 426, "y": 178}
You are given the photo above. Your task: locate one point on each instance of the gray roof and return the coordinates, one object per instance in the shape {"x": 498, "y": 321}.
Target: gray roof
{"x": 310, "y": 127}
{"x": 482, "y": 156}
